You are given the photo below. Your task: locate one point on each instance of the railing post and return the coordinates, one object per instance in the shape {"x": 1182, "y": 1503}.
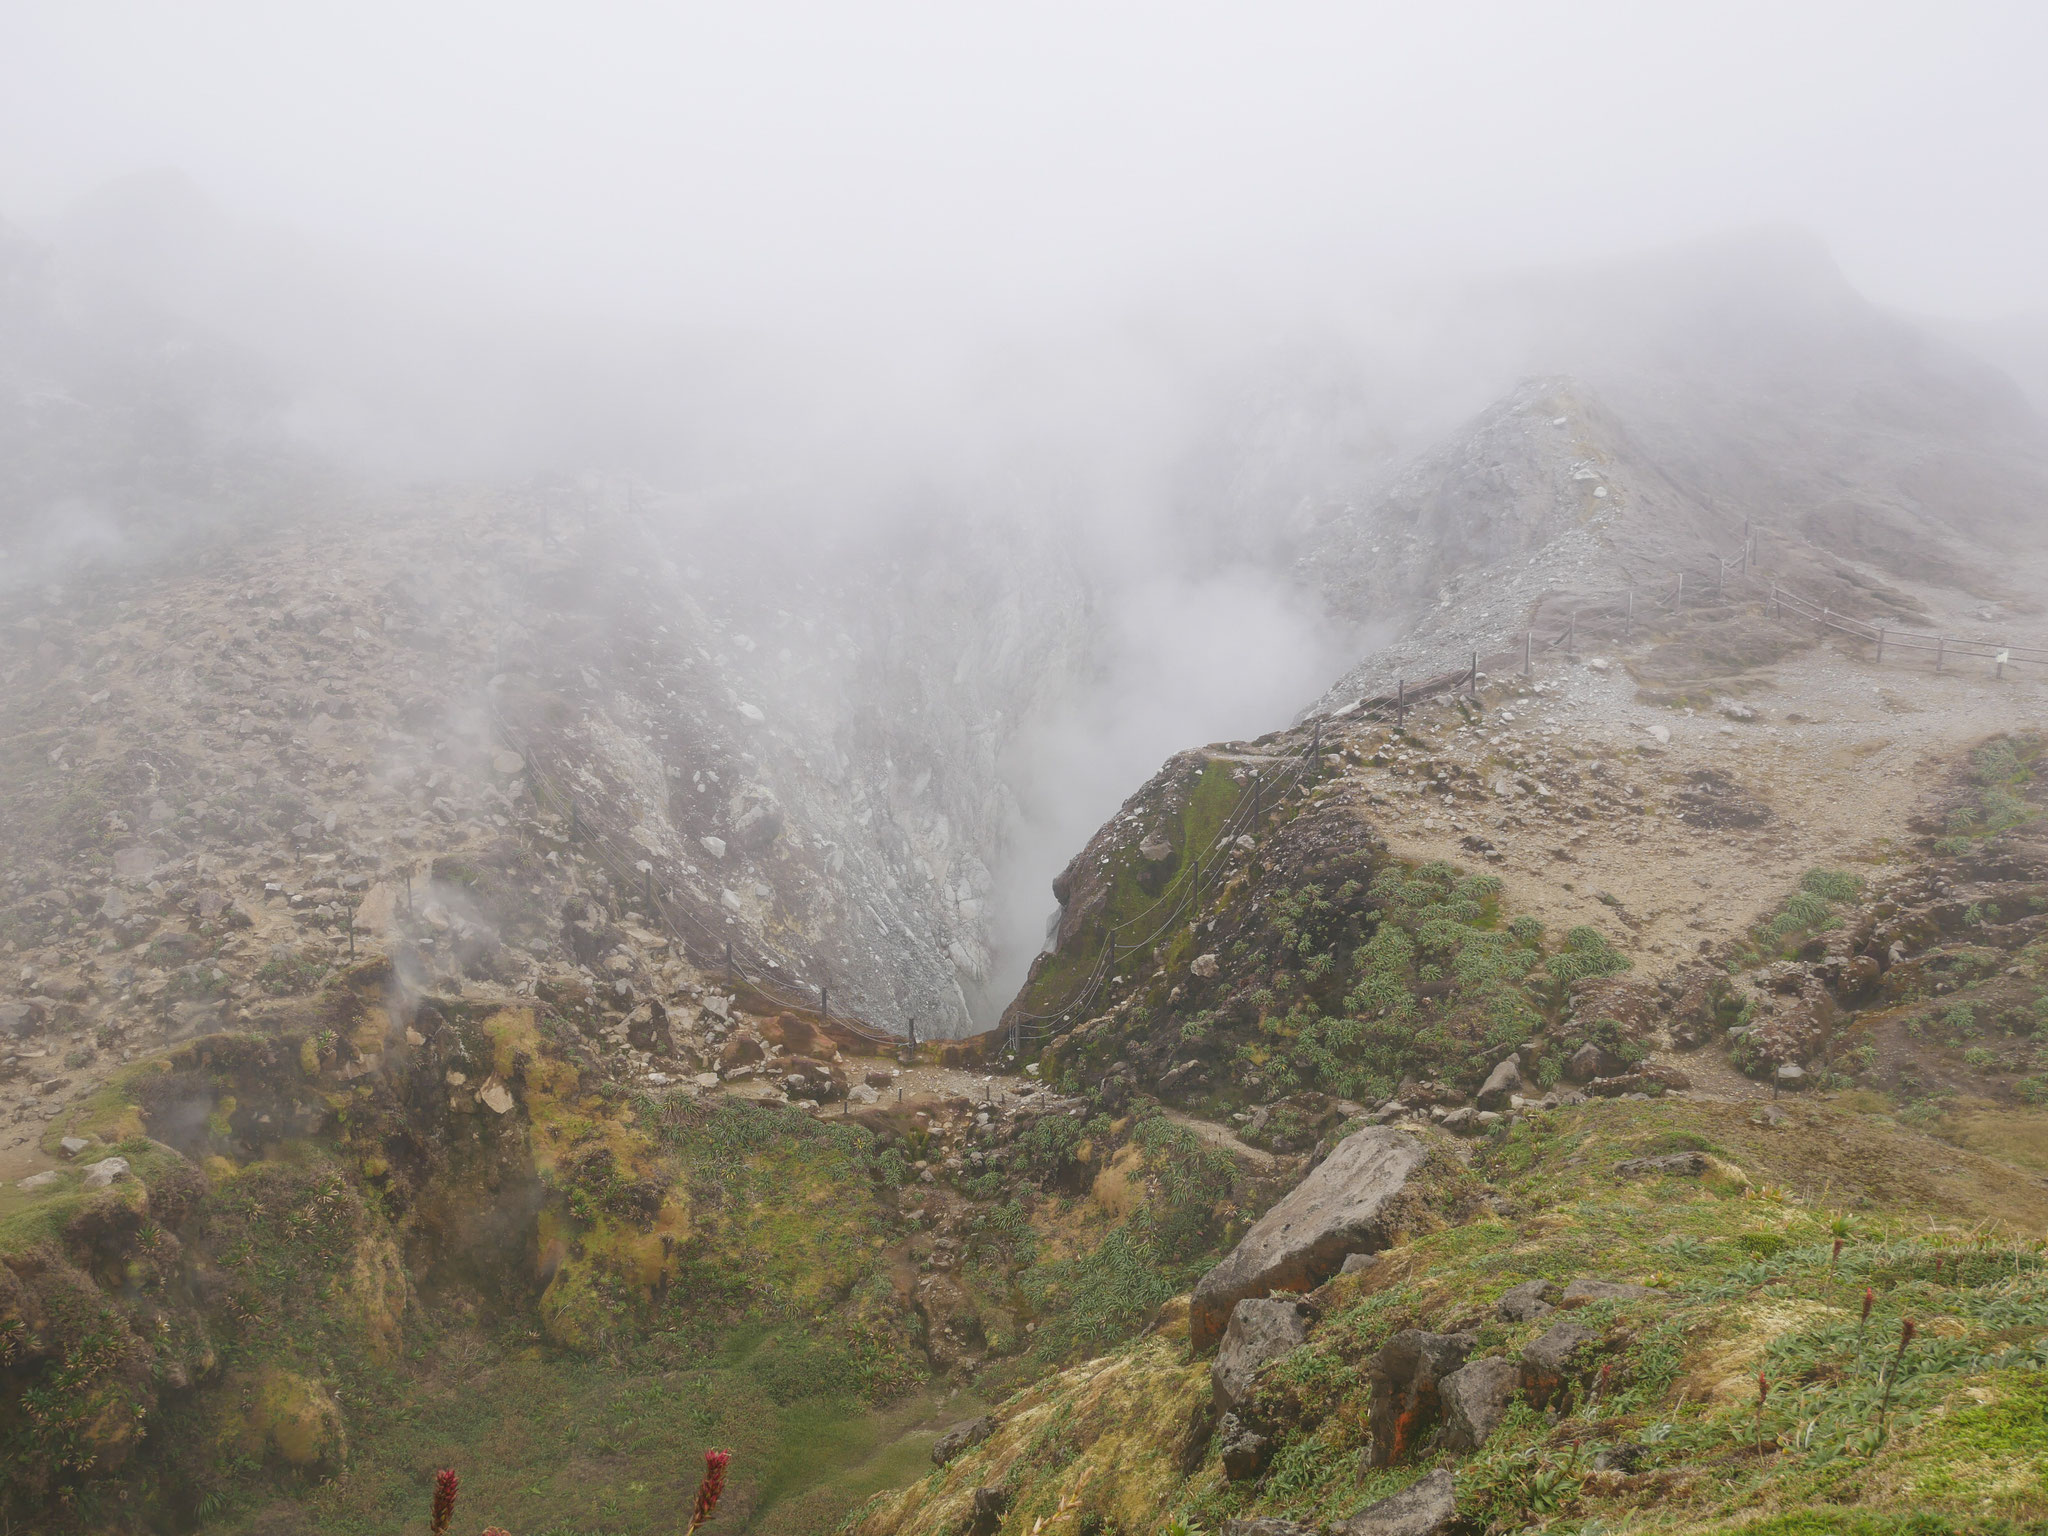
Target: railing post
{"x": 1940, "y": 646}
{"x": 1400, "y": 701}
{"x": 1528, "y": 650}
{"x": 1678, "y": 598}
{"x": 1571, "y": 633}
{"x": 1631, "y": 619}
{"x": 824, "y": 1005}
{"x": 1880, "y": 642}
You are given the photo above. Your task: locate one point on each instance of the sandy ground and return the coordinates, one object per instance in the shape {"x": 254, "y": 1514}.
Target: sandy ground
{"x": 1841, "y": 751}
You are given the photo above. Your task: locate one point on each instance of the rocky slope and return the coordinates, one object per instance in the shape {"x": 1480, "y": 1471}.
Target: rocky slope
{"x": 378, "y": 1095}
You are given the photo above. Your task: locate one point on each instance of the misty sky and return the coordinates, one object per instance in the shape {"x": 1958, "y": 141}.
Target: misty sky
{"x": 762, "y": 161}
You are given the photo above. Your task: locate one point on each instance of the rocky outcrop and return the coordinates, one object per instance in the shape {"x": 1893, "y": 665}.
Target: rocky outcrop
{"x": 1354, "y": 1202}
{"x": 1262, "y": 1329}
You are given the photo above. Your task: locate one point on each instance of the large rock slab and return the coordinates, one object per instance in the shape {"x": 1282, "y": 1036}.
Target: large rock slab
{"x": 1262, "y": 1328}
{"x": 1475, "y": 1399}
{"x": 1424, "y": 1508}
{"x": 1352, "y": 1203}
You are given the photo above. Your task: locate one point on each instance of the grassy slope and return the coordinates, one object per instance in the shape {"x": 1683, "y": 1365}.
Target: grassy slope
{"x": 1929, "y": 1229}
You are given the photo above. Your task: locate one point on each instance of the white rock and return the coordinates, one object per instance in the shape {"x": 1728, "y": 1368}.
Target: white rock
{"x": 730, "y": 900}
{"x": 1204, "y": 966}
{"x": 752, "y": 712}
{"x": 37, "y": 1182}
{"x": 1661, "y": 734}
{"x": 507, "y": 764}
{"x": 495, "y": 1096}
{"x": 715, "y": 846}
{"x": 106, "y": 1172}
{"x": 706, "y": 1079}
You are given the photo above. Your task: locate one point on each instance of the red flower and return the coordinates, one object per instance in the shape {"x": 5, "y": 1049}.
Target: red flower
{"x": 1763, "y": 1386}
{"x": 444, "y": 1500}
{"x": 1868, "y": 1298}
{"x": 1906, "y": 1331}
{"x": 713, "y": 1486}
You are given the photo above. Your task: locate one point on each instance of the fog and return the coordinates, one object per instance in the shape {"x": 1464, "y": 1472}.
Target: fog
{"x": 1161, "y": 278}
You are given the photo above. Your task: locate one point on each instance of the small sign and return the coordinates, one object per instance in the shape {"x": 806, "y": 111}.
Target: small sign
{"x": 2004, "y": 657}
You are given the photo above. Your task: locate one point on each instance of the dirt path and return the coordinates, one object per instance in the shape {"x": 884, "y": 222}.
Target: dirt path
{"x": 1222, "y": 1136}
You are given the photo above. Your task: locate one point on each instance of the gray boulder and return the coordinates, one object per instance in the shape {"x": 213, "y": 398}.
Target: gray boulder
{"x": 1424, "y": 1508}
{"x": 1528, "y": 1301}
{"x": 959, "y": 1437}
{"x": 1405, "y": 1404}
{"x": 106, "y": 1171}
{"x": 1501, "y": 1084}
{"x": 1261, "y": 1329}
{"x": 1267, "y": 1525}
{"x": 1244, "y": 1450}
{"x": 19, "y": 1020}
{"x": 36, "y": 1183}
{"x": 71, "y": 1146}
{"x": 1553, "y": 1362}
{"x": 1358, "y": 1263}
{"x": 1589, "y": 1062}
{"x": 1475, "y": 1399}
{"x": 1352, "y": 1203}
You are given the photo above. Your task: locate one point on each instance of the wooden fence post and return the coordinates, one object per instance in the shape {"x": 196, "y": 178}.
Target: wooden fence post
{"x": 1880, "y": 642}
{"x": 1940, "y": 645}
{"x": 1631, "y": 620}
{"x": 1678, "y": 598}
{"x": 1528, "y": 647}
{"x": 1400, "y": 700}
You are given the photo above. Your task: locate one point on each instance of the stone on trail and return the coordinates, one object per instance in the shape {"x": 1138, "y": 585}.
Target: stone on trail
{"x": 71, "y": 1146}
{"x": 1424, "y": 1508}
{"x": 1266, "y": 1525}
{"x": 1261, "y": 1329}
{"x": 959, "y": 1437}
{"x": 1204, "y": 966}
{"x": 35, "y": 1183}
{"x": 1351, "y": 1203}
